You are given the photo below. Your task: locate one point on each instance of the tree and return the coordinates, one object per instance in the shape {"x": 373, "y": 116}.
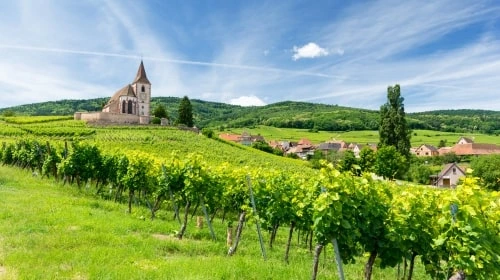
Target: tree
{"x": 442, "y": 143}
{"x": 8, "y": 113}
{"x": 185, "y": 112}
{"x": 393, "y": 129}
{"x": 486, "y": 168}
{"x": 160, "y": 112}
{"x": 349, "y": 163}
{"x": 263, "y": 146}
{"x": 367, "y": 158}
{"x": 389, "y": 163}
{"x": 420, "y": 173}
{"x": 207, "y": 132}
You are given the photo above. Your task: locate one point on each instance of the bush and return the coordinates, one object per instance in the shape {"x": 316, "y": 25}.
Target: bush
{"x": 156, "y": 120}
{"x": 207, "y": 132}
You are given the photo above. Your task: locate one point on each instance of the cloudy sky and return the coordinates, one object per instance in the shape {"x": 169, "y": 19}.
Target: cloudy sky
{"x": 445, "y": 54}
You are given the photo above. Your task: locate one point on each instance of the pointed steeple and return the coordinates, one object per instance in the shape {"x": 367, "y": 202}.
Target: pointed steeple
{"x": 141, "y": 75}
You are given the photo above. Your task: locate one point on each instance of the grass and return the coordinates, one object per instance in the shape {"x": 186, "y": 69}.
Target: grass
{"x": 362, "y": 137}
{"x": 51, "y": 231}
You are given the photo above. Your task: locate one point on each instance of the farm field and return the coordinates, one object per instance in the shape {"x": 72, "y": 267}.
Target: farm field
{"x": 50, "y": 231}
{"x": 418, "y": 136}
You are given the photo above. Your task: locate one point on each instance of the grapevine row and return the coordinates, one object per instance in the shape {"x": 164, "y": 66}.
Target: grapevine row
{"x": 449, "y": 230}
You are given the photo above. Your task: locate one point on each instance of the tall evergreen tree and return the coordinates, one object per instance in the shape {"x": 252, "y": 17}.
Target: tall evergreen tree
{"x": 185, "y": 112}
{"x": 393, "y": 129}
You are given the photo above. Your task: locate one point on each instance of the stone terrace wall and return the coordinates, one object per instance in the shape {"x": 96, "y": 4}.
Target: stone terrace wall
{"x": 107, "y": 117}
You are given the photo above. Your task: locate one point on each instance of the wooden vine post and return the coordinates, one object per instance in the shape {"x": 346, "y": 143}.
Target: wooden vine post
{"x": 261, "y": 240}
{"x": 204, "y": 208}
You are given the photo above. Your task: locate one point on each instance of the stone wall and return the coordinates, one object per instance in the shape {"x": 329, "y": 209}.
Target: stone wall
{"x": 107, "y": 117}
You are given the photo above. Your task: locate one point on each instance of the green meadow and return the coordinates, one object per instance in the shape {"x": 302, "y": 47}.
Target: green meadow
{"x": 362, "y": 137}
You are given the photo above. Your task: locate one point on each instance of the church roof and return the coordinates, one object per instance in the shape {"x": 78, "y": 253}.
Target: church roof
{"x": 141, "y": 75}
{"x": 125, "y": 91}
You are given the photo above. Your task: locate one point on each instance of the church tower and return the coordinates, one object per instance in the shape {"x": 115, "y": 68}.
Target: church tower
{"x": 142, "y": 89}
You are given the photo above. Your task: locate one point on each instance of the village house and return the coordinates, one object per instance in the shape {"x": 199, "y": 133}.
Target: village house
{"x": 244, "y": 139}
{"x": 356, "y": 148}
{"x": 426, "y": 150}
{"x": 328, "y": 147}
{"x": 475, "y": 149}
{"x": 465, "y": 140}
{"x": 466, "y": 147}
{"x": 303, "y": 149}
{"x": 444, "y": 150}
{"x": 130, "y": 104}
{"x": 448, "y": 177}
{"x": 280, "y": 145}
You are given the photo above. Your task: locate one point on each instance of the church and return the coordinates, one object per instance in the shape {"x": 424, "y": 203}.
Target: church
{"x": 129, "y": 105}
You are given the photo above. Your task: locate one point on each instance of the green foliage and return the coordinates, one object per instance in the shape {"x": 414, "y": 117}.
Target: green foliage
{"x": 185, "y": 112}
{"x": 208, "y": 132}
{"x": 155, "y": 120}
{"x": 349, "y": 163}
{"x": 263, "y": 146}
{"x": 393, "y": 129}
{"x": 420, "y": 173}
{"x": 367, "y": 159}
{"x": 450, "y": 158}
{"x": 8, "y": 113}
{"x": 468, "y": 238}
{"x": 160, "y": 112}
{"x": 390, "y": 163}
{"x": 488, "y": 169}
{"x": 442, "y": 143}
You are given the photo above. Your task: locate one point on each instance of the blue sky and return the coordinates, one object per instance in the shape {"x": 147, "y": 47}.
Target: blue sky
{"x": 445, "y": 54}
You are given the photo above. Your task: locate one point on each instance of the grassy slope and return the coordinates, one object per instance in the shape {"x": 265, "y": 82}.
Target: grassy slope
{"x": 362, "y": 137}
{"x": 50, "y": 231}
{"x": 156, "y": 140}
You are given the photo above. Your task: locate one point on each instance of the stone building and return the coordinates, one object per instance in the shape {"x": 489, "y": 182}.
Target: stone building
{"x": 130, "y": 104}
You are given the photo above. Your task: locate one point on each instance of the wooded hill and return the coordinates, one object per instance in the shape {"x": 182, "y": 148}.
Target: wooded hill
{"x": 288, "y": 114}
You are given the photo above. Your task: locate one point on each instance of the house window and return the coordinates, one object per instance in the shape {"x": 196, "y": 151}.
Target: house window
{"x": 454, "y": 171}
{"x": 426, "y": 153}
{"x": 143, "y": 89}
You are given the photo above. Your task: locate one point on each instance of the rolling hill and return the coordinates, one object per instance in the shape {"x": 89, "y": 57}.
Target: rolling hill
{"x": 287, "y": 114}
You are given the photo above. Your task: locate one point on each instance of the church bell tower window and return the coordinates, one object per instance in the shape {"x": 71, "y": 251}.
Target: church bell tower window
{"x": 143, "y": 89}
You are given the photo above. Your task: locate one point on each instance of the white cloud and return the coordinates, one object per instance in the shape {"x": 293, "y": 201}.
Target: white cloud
{"x": 310, "y": 50}
{"x": 250, "y": 100}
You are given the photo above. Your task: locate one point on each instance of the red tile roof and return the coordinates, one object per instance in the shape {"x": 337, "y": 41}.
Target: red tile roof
{"x": 475, "y": 149}
{"x": 230, "y": 137}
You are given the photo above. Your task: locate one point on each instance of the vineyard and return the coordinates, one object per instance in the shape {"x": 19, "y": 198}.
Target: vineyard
{"x": 378, "y": 222}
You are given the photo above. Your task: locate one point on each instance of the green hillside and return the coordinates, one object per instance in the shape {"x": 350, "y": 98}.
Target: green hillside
{"x": 288, "y": 114}
{"x": 156, "y": 140}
